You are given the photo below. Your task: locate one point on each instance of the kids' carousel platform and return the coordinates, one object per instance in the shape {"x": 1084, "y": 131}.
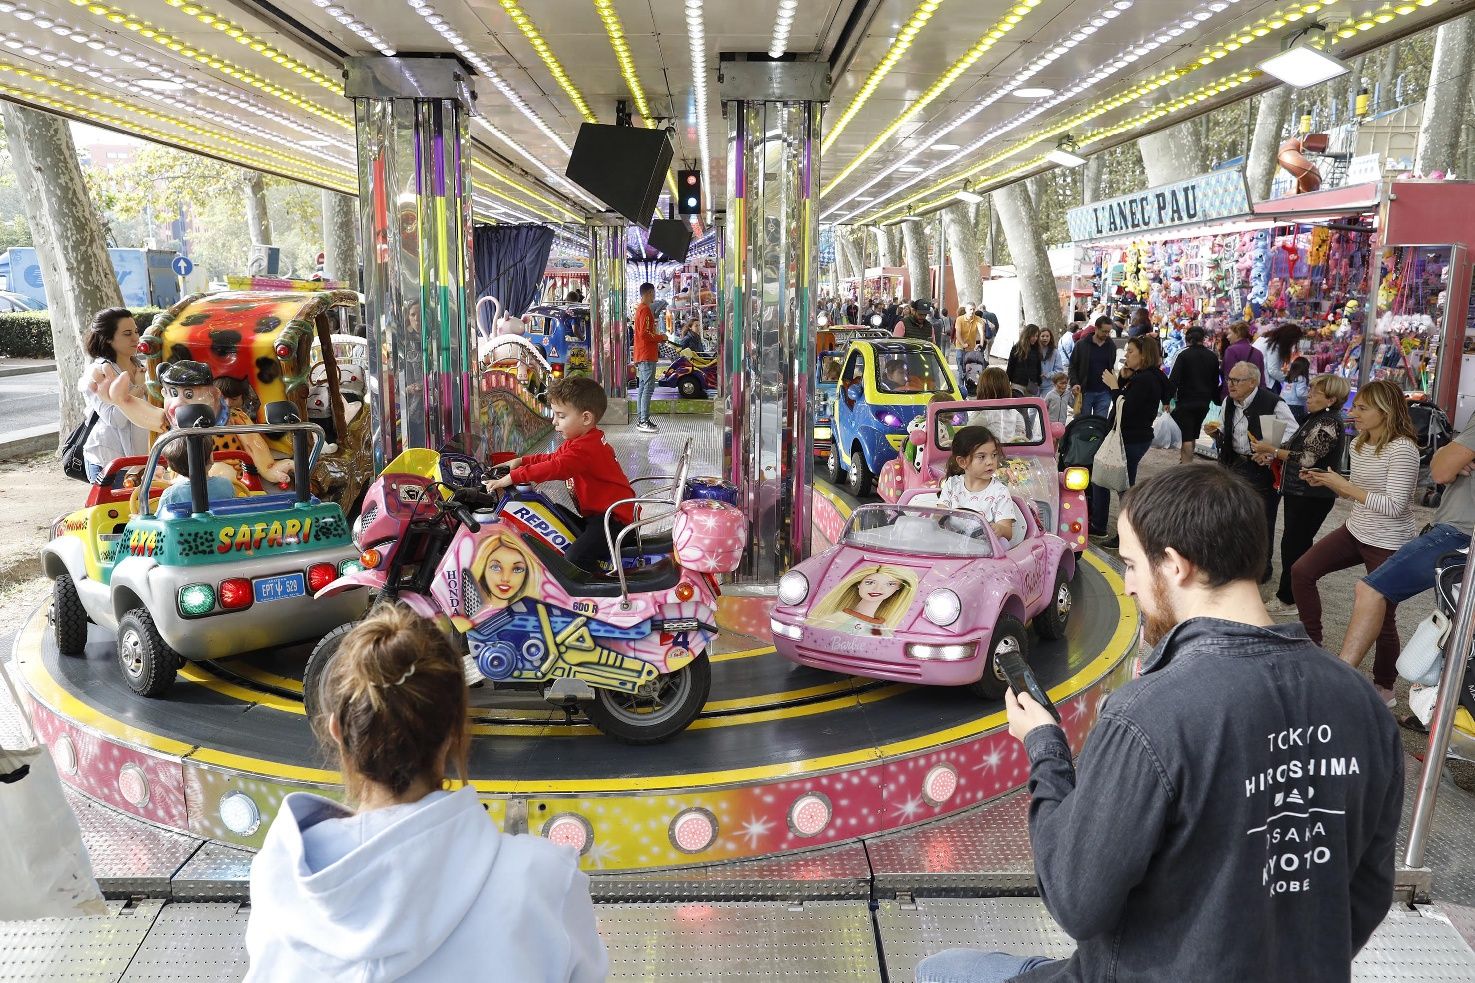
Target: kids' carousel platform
{"x": 783, "y": 758}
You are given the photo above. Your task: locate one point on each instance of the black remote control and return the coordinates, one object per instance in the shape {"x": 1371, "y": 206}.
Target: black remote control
{"x": 1022, "y": 680}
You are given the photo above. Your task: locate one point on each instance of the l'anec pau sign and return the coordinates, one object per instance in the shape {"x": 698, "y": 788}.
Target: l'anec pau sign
{"x": 1211, "y": 197}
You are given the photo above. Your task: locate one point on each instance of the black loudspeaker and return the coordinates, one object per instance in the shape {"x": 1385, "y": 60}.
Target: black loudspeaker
{"x": 622, "y": 166}
{"x": 671, "y": 237}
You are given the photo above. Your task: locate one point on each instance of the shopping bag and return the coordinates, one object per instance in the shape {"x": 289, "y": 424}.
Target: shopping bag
{"x": 1109, "y": 469}
{"x": 1165, "y": 432}
{"x": 43, "y": 864}
{"x": 1215, "y": 414}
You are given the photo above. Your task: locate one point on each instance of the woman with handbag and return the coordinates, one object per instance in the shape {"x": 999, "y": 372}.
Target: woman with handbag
{"x": 1315, "y": 446}
{"x": 1138, "y": 401}
{"x": 1385, "y": 471}
{"x": 112, "y": 341}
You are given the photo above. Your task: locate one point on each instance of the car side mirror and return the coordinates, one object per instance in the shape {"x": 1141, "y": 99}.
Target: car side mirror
{"x": 918, "y": 438}
{"x": 1057, "y": 430}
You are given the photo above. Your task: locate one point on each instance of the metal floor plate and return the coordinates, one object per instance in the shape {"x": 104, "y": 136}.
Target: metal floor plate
{"x": 835, "y": 873}
{"x": 94, "y": 949}
{"x": 193, "y": 943}
{"x": 215, "y": 872}
{"x": 740, "y": 941}
{"x": 1449, "y": 852}
{"x": 129, "y": 857}
{"x": 979, "y": 852}
{"x": 1416, "y": 946}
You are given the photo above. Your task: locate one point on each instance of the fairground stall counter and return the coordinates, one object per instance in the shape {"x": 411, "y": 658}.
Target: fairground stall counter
{"x": 890, "y": 282}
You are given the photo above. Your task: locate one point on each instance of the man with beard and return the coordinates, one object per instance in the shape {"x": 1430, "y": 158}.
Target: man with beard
{"x": 1236, "y": 807}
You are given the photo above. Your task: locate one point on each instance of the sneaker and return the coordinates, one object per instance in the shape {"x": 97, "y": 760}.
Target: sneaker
{"x": 1280, "y": 609}
{"x": 645, "y": 426}
{"x": 1386, "y": 692}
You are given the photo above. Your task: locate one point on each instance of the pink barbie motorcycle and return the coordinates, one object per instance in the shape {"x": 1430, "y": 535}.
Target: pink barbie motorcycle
{"x": 628, "y": 648}
{"x": 920, "y": 594}
{"x": 1030, "y": 470}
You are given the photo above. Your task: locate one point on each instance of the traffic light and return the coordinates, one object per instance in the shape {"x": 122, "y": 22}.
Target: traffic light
{"x": 689, "y": 188}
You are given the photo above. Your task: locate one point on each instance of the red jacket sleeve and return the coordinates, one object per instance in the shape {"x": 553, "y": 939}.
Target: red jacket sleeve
{"x": 558, "y": 466}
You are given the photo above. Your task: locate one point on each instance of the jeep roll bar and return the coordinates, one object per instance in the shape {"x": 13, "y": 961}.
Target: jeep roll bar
{"x": 303, "y": 459}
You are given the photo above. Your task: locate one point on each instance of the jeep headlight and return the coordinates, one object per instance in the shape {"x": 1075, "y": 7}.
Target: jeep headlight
{"x": 942, "y": 607}
{"x": 793, "y": 588}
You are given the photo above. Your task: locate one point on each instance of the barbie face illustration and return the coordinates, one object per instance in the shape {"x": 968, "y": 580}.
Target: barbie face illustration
{"x": 502, "y": 572}
{"x": 869, "y": 601}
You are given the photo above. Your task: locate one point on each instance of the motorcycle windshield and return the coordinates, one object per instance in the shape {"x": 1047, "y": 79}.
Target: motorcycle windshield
{"x": 421, "y": 461}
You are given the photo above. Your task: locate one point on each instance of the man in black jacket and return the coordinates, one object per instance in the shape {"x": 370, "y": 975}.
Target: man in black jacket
{"x": 1196, "y": 381}
{"x": 1093, "y": 355}
{"x": 1236, "y": 808}
{"x": 1248, "y": 402}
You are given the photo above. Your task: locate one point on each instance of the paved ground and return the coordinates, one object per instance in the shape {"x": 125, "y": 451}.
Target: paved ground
{"x": 27, "y": 401}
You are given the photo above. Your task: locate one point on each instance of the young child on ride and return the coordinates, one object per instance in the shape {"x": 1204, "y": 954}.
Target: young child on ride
{"x": 411, "y": 882}
{"x": 972, "y": 483}
{"x": 586, "y": 461}
{"x": 218, "y": 485}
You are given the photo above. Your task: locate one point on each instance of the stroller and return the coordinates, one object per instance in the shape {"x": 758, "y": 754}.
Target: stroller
{"x": 1082, "y": 439}
{"x": 1432, "y": 426}
{"x": 1423, "y": 658}
{"x": 974, "y": 362}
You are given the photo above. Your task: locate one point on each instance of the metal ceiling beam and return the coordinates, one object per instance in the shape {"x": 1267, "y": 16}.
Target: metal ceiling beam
{"x": 848, "y": 35}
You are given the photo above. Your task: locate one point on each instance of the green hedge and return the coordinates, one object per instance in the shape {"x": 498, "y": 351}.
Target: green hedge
{"x": 27, "y": 334}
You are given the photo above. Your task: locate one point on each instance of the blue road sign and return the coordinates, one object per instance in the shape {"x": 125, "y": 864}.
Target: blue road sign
{"x": 182, "y": 266}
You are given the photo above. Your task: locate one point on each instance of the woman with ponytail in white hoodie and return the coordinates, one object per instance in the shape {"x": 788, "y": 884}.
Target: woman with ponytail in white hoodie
{"x": 413, "y": 882}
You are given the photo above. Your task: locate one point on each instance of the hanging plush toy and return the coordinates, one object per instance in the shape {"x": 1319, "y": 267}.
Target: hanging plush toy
{"x": 1260, "y": 270}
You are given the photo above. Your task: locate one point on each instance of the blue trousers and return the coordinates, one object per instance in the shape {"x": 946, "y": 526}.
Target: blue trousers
{"x": 645, "y": 373}
{"x": 1096, "y": 403}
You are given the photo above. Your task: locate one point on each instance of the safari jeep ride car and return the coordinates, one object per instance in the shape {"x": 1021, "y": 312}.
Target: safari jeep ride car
{"x": 200, "y": 579}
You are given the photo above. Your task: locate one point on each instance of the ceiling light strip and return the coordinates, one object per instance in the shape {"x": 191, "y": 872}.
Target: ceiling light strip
{"x": 242, "y": 36}
{"x": 981, "y": 47}
{"x": 616, "y": 32}
{"x": 782, "y": 25}
{"x": 498, "y": 175}
{"x": 548, "y": 172}
{"x": 130, "y": 126}
{"x": 530, "y": 31}
{"x": 1169, "y": 108}
{"x": 1052, "y": 53}
{"x": 345, "y": 17}
{"x": 529, "y": 209}
{"x": 453, "y": 37}
{"x": 697, "y": 37}
{"x": 151, "y": 33}
{"x": 898, "y": 47}
{"x": 21, "y": 71}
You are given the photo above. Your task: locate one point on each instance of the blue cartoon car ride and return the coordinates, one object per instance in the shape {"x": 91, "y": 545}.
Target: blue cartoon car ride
{"x": 562, "y": 332}
{"x": 830, "y": 343}
{"x": 883, "y": 386}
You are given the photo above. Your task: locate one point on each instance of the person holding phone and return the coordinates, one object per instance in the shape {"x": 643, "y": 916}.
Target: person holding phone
{"x": 112, "y": 343}
{"x": 1385, "y": 472}
{"x": 1188, "y": 769}
{"x": 1315, "y": 448}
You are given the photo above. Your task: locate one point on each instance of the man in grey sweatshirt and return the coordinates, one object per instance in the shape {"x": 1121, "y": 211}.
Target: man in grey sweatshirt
{"x": 1234, "y": 814}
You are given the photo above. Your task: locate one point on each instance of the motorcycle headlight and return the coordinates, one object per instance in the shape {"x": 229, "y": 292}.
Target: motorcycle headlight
{"x": 942, "y": 607}
{"x": 793, "y": 588}
{"x": 356, "y": 532}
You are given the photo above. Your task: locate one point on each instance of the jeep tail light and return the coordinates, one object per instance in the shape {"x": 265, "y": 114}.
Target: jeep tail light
{"x": 196, "y": 600}
{"x": 235, "y": 594}
{"x": 320, "y": 575}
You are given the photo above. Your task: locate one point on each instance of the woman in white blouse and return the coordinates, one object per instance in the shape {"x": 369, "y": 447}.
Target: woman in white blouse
{"x": 1385, "y": 471}
{"x": 112, "y": 341}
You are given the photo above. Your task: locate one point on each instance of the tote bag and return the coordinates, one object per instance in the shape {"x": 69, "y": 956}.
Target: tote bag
{"x": 43, "y": 864}
{"x": 1109, "y": 469}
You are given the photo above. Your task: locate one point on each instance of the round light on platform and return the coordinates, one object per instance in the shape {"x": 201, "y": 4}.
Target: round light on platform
{"x": 693, "y": 830}
{"x": 571, "y": 830}
{"x": 810, "y": 814}
{"x": 939, "y": 784}
{"x": 943, "y": 607}
{"x": 133, "y": 785}
{"x": 65, "y": 753}
{"x": 240, "y": 813}
{"x": 793, "y": 588}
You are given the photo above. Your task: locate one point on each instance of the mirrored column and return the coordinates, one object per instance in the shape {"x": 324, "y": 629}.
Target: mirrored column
{"x": 608, "y": 343}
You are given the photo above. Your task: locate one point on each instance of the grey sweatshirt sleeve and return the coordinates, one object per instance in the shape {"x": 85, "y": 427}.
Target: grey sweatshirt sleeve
{"x": 1094, "y": 833}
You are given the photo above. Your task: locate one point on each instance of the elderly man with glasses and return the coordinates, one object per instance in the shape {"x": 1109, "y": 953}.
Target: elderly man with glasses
{"x": 1244, "y": 412}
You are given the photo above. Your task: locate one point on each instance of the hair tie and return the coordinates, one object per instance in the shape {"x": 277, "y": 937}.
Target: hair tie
{"x": 408, "y": 673}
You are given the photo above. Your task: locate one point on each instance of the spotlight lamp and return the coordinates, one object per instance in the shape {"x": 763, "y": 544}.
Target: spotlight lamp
{"x": 966, "y": 193}
{"x": 1300, "y": 64}
{"x": 1066, "y": 153}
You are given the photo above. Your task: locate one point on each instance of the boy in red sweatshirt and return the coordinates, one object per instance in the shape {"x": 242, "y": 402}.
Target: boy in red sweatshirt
{"x": 586, "y": 461}
{"x": 647, "y": 353}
